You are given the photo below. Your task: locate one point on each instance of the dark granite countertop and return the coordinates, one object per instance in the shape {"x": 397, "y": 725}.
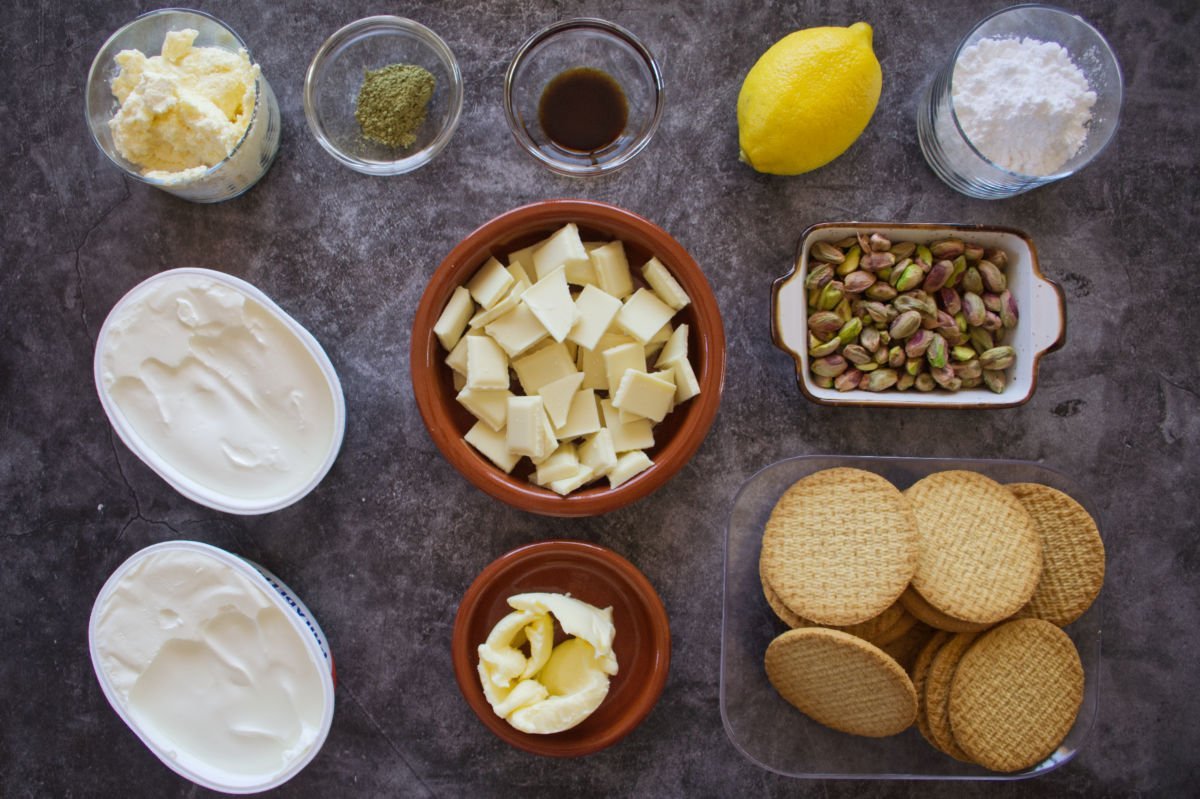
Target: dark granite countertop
{"x": 383, "y": 549}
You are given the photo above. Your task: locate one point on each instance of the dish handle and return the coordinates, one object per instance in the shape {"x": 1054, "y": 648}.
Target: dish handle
{"x": 1050, "y": 310}
{"x": 788, "y": 329}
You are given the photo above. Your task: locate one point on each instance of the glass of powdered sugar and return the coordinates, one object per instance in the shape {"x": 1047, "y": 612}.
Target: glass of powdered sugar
{"x": 1032, "y": 94}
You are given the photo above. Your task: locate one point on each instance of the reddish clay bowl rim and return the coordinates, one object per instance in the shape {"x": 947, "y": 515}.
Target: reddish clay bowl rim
{"x": 431, "y": 377}
{"x": 594, "y": 574}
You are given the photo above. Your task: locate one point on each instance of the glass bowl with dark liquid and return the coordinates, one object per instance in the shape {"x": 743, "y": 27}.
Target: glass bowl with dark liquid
{"x": 583, "y": 96}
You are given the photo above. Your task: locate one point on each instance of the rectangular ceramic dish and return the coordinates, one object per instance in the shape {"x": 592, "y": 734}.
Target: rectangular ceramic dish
{"x": 1041, "y": 328}
{"x": 777, "y": 736}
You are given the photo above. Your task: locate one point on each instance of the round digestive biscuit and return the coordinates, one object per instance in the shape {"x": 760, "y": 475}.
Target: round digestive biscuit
{"x": 840, "y": 546}
{"x": 841, "y": 681}
{"x": 980, "y": 556}
{"x": 1016, "y": 694}
{"x": 937, "y": 694}
{"x": 1072, "y": 554}
{"x": 781, "y": 610}
{"x": 908, "y": 646}
{"x": 879, "y": 628}
{"x": 920, "y": 672}
{"x": 915, "y": 604}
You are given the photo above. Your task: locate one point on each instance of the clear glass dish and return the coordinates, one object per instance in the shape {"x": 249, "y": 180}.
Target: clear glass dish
{"x": 776, "y": 736}
{"x": 595, "y": 44}
{"x": 252, "y": 156}
{"x": 958, "y": 162}
{"x": 336, "y": 74}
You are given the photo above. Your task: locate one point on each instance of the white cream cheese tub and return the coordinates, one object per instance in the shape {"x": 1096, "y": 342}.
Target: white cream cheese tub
{"x": 214, "y": 664}
{"x": 218, "y": 390}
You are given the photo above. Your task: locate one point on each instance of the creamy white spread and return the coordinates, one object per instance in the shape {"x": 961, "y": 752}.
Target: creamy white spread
{"x": 183, "y": 111}
{"x": 219, "y": 387}
{"x": 208, "y": 667}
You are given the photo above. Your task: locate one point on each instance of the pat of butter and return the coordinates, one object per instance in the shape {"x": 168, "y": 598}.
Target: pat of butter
{"x": 524, "y": 436}
{"x": 543, "y": 366}
{"x": 675, "y": 348}
{"x": 582, "y": 417}
{"x": 619, "y": 359}
{"x": 488, "y": 405}
{"x": 629, "y": 465}
{"x": 665, "y": 285}
{"x": 597, "y": 452}
{"x": 578, "y": 619}
{"x": 612, "y": 269}
{"x": 643, "y": 315}
{"x": 490, "y": 283}
{"x": 580, "y": 687}
{"x": 453, "y": 321}
{"x": 550, "y": 301}
{"x": 626, "y": 435}
{"x": 504, "y": 661}
{"x": 487, "y": 365}
{"x": 644, "y": 395}
{"x": 558, "y": 395}
{"x": 493, "y": 445}
{"x": 561, "y": 250}
{"x": 517, "y": 330}
{"x": 595, "y": 310}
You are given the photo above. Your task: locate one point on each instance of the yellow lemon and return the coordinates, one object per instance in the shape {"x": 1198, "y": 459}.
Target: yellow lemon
{"x": 808, "y": 98}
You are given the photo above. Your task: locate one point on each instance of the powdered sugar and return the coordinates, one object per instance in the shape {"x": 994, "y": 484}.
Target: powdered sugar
{"x": 1023, "y": 103}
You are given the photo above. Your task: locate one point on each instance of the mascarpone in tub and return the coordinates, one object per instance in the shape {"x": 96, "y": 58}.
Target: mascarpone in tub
{"x": 218, "y": 390}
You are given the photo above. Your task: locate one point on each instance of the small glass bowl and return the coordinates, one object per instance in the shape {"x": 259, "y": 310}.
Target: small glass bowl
{"x": 596, "y": 44}
{"x": 252, "y": 156}
{"x": 336, "y": 74}
{"x": 956, "y": 160}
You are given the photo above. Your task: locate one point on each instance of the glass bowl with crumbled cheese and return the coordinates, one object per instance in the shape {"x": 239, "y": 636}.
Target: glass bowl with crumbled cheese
{"x": 1032, "y": 95}
{"x": 383, "y": 95}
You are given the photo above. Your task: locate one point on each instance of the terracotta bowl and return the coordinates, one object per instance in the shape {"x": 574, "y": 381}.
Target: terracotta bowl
{"x": 595, "y": 575}
{"x": 676, "y": 438}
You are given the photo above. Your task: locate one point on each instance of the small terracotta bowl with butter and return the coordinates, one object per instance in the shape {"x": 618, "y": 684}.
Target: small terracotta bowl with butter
{"x": 600, "y": 577}
{"x": 676, "y": 438}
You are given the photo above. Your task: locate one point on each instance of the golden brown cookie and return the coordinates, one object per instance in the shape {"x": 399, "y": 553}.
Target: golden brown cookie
{"x": 781, "y": 610}
{"x": 980, "y": 556}
{"x": 840, "y": 546}
{"x": 920, "y": 671}
{"x": 1072, "y": 552}
{"x": 937, "y": 694}
{"x": 880, "y": 628}
{"x": 908, "y": 646}
{"x": 915, "y": 604}
{"x": 842, "y": 681}
{"x": 1016, "y": 694}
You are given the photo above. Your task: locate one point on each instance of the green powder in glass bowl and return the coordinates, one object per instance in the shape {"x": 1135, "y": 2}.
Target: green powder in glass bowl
{"x": 392, "y": 103}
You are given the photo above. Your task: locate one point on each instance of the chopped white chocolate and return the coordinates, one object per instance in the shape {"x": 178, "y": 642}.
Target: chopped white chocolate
{"x": 488, "y": 405}
{"x": 629, "y": 465}
{"x": 549, "y": 441}
{"x": 524, "y": 256}
{"x": 643, "y": 315}
{"x": 597, "y": 452}
{"x": 582, "y": 418}
{"x": 550, "y": 300}
{"x": 645, "y": 395}
{"x": 458, "y": 381}
{"x": 591, "y": 362}
{"x": 543, "y": 365}
{"x": 612, "y": 269}
{"x": 490, "y": 283}
{"x": 657, "y": 341}
{"x": 595, "y": 310}
{"x": 517, "y": 330}
{"x": 453, "y": 321}
{"x": 560, "y": 250}
{"x": 502, "y": 306}
{"x": 487, "y": 365}
{"x": 558, "y": 395}
{"x": 493, "y": 445}
{"x": 675, "y": 348}
{"x": 583, "y": 475}
{"x": 665, "y": 285}
{"x": 634, "y": 435}
{"x": 618, "y": 359}
{"x": 686, "y": 384}
{"x": 524, "y": 433}
{"x": 563, "y": 462}
{"x": 457, "y": 359}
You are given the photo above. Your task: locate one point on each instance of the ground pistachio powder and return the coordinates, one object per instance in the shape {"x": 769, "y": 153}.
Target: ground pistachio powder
{"x": 392, "y": 103}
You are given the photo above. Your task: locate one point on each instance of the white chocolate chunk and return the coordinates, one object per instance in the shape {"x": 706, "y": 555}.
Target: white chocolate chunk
{"x": 596, "y": 310}
{"x": 453, "y": 321}
{"x": 524, "y": 431}
{"x": 542, "y": 366}
{"x": 644, "y": 395}
{"x": 524, "y": 256}
{"x": 675, "y": 348}
{"x": 591, "y": 362}
{"x": 630, "y": 436}
{"x": 493, "y": 445}
{"x": 458, "y": 381}
{"x": 582, "y": 418}
{"x": 457, "y": 359}
{"x": 657, "y": 341}
{"x": 612, "y": 269}
{"x": 563, "y": 462}
{"x": 517, "y": 330}
{"x": 488, "y": 405}
{"x": 665, "y": 285}
{"x": 550, "y": 300}
{"x": 502, "y": 306}
{"x": 597, "y": 452}
{"x": 629, "y": 465}
{"x": 490, "y": 283}
{"x": 618, "y": 359}
{"x": 558, "y": 395}
{"x": 686, "y": 384}
{"x": 549, "y": 441}
{"x": 560, "y": 250}
{"x": 583, "y": 474}
{"x": 643, "y": 315}
{"x": 487, "y": 365}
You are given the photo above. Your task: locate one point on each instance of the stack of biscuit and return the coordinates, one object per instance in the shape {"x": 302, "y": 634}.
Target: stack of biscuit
{"x": 940, "y": 606}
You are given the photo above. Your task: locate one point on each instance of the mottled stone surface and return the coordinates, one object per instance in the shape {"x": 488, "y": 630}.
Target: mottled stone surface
{"x": 385, "y": 547}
